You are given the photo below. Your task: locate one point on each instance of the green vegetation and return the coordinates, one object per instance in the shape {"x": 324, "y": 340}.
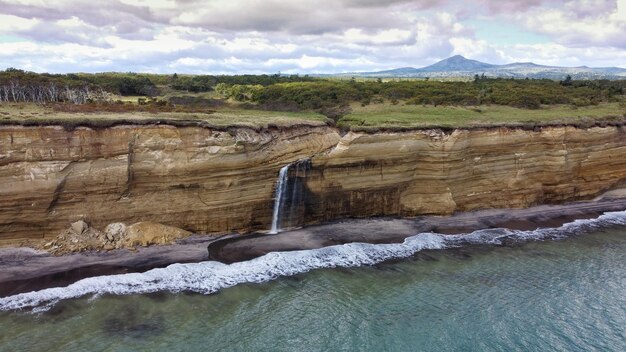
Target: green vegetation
{"x": 206, "y": 83}
{"x": 408, "y": 116}
{"x": 32, "y": 114}
{"x": 22, "y": 86}
{"x": 349, "y": 103}
{"x": 518, "y": 93}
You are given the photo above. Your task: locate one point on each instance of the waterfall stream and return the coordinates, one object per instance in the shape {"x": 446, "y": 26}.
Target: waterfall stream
{"x": 280, "y": 189}
{"x": 289, "y": 196}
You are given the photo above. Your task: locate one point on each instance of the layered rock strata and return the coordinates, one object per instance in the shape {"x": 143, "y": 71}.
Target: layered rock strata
{"x": 212, "y": 180}
{"x": 433, "y": 172}
{"x": 195, "y": 178}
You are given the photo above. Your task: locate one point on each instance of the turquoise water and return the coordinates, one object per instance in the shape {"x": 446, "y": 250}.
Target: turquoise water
{"x": 566, "y": 294}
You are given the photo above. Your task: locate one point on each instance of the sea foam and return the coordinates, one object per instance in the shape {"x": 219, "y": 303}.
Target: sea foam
{"x": 208, "y": 277}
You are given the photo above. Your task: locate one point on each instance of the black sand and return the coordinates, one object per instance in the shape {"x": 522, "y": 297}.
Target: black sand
{"x": 24, "y": 269}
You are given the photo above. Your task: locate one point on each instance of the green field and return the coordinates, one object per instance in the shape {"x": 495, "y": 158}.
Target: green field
{"x": 361, "y": 118}
{"x": 388, "y": 115}
{"x": 33, "y": 114}
{"x": 105, "y": 99}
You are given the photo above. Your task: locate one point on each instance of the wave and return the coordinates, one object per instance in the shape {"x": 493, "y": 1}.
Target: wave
{"x": 209, "y": 277}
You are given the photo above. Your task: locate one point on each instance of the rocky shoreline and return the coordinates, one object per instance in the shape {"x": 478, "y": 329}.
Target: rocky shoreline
{"x": 25, "y": 269}
{"x": 395, "y": 230}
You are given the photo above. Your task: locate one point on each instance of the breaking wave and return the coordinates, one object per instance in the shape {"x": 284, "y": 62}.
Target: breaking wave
{"x": 208, "y": 277}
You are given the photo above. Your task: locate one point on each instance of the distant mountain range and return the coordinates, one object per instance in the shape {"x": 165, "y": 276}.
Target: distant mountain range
{"x": 459, "y": 66}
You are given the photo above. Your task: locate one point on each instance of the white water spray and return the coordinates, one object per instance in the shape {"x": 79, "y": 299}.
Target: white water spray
{"x": 209, "y": 277}
{"x": 280, "y": 189}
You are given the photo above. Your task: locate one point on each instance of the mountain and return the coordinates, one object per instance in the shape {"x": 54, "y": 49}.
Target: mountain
{"x": 459, "y": 66}
{"x": 457, "y": 63}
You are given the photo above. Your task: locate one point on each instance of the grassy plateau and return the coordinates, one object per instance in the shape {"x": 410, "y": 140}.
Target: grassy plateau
{"x": 416, "y": 116}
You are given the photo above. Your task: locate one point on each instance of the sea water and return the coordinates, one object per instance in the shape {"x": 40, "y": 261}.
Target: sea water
{"x": 493, "y": 290}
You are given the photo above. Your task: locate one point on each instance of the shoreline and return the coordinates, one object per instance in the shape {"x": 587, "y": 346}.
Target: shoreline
{"x": 25, "y": 269}
{"x": 395, "y": 230}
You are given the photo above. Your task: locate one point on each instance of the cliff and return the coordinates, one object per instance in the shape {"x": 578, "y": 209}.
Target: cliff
{"x": 196, "y": 178}
{"x": 211, "y": 180}
{"x": 432, "y": 172}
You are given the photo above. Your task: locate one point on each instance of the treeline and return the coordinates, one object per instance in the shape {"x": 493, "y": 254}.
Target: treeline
{"x": 24, "y": 86}
{"x": 123, "y": 83}
{"x": 20, "y": 86}
{"x": 294, "y": 92}
{"x": 517, "y": 93}
{"x": 206, "y": 83}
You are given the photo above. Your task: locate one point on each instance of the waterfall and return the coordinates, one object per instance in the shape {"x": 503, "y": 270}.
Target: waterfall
{"x": 294, "y": 194}
{"x": 280, "y": 189}
{"x": 289, "y": 196}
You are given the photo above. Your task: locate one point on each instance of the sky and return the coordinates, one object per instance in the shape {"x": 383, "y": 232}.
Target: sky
{"x": 304, "y": 36}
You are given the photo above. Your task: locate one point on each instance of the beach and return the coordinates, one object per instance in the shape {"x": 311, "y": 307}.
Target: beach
{"x": 25, "y": 269}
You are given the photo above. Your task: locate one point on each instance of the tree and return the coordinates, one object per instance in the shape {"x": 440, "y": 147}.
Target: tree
{"x": 567, "y": 81}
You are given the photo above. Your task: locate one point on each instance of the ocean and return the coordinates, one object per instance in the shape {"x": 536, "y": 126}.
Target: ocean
{"x": 492, "y": 290}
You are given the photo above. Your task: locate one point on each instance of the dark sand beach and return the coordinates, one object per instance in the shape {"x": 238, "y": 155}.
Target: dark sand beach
{"x": 25, "y": 269}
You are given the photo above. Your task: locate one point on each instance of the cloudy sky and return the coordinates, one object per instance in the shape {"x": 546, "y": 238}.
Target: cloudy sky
{"x": 304, "y": 36}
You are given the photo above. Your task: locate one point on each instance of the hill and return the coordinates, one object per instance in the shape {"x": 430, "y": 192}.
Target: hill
{"x": 459, "y": 66}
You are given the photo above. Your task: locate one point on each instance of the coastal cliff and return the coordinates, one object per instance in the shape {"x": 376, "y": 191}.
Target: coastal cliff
{"x": 434, "y": 172}
{"x": 196, "y": 178}
{"x": 218, "y": 180}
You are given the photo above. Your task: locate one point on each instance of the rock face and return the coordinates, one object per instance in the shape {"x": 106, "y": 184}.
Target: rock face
{"x": 215, "y": 181}
{"x": 432, "y": 172}
{"x": 198, "y": 179}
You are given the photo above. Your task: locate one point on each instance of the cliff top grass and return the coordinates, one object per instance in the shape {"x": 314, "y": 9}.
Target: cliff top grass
{"x": 33, "y": 115}
{"x": 387, "y": 115}
{"x": 366, "y": 118}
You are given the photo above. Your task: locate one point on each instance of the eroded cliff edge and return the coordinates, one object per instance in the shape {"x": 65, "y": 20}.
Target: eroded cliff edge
{"x": 197, "y": 178}
{"x": 433, "y": 172}
{"x": 211, "y": 180}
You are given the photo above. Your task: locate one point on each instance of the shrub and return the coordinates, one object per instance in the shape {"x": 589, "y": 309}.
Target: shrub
{"x": 335, "y": 113}
{"x": 527, "y": 102}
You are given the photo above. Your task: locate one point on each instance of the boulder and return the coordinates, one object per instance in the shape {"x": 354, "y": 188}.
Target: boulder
{"x": 79, "y": 227}
{"x": 115, "y": 231}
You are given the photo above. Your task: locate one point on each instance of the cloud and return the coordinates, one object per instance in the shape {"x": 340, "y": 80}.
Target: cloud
{"x": 105, "y": 12}
{"x": 107, "y": 15}
{"x": 510, "y": 6}
{"x": 304, "y": 36}
{"x": 295, "y": 17}
{"x": 304, "y": 16}
{"x": 11, "y": 24}
{"x": 581, "y": 23}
